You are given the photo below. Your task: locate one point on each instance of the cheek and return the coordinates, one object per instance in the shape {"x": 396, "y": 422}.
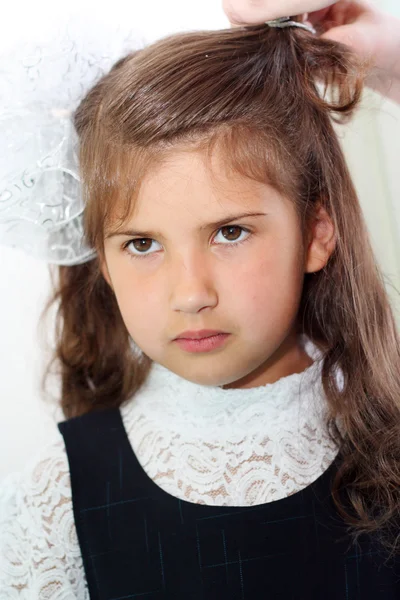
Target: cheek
{"x": 272, "y": 287}
{"x": 139, "y": 305}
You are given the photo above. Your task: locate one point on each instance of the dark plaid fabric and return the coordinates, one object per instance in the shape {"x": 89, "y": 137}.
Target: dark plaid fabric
{"x": 138, "y": 541}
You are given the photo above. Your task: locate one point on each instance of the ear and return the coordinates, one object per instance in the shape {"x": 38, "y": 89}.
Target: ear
{"x": 321, "y": 241}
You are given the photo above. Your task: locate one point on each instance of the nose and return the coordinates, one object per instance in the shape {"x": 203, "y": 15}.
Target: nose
{"x": 192, "y": 284}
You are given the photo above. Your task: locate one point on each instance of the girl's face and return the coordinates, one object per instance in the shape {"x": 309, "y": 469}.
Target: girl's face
{"x": 175, "y": 270}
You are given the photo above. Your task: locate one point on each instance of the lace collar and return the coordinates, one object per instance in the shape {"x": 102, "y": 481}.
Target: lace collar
{"x": 173, "y": 402}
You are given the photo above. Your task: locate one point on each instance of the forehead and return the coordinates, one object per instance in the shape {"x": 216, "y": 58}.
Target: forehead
{"x": 204, "y": 179}
{"x": 193, "y": 181}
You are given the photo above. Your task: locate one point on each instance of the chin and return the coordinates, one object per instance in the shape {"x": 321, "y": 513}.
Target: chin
{"x": 212, "y": 379}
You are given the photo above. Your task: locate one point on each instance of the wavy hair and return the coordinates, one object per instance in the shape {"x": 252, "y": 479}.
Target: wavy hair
{"x": 268, "y": 98}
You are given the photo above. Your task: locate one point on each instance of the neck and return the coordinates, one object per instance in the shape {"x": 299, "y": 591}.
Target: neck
{"x": 288, "y": 359}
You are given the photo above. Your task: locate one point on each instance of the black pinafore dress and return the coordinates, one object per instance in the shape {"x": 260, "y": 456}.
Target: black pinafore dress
{"x": 139, "y": 542}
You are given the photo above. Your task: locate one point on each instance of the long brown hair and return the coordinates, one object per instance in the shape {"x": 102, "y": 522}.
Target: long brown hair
{"x": 260, "y": 94}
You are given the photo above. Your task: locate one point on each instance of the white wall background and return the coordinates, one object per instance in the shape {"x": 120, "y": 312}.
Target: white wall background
{"x": 372, "y": 144}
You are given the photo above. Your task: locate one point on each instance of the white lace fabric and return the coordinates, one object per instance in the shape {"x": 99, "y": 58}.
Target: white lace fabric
{"x": 40, "y": 557}
{"x": 44, "y": 76}
{"x": 198, "y": 443}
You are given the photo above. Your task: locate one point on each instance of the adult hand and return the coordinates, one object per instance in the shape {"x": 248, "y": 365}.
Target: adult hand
{"x": 372, "y": 34}
{"x": 253, "y": 12}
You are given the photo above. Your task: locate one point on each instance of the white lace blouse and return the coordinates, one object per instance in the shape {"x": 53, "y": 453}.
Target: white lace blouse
{"x": 199, "y": 443}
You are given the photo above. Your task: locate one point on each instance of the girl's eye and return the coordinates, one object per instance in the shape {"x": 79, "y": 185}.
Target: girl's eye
{"x": 228, "y": 235}
{"x": 141, "y": 245}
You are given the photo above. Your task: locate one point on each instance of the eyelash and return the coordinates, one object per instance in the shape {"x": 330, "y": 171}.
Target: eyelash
{"x": 234, "y": 244}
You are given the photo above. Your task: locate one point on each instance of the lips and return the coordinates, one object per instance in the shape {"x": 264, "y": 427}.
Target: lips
{"x": 204, "y": 344}
{"x": 199, "y": 335}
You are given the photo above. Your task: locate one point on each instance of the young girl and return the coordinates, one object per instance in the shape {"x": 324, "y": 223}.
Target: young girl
{"x": 229, "y": 358}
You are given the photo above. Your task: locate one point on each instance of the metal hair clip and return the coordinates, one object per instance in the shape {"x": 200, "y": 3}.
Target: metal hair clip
{"x": 287, "y": 22}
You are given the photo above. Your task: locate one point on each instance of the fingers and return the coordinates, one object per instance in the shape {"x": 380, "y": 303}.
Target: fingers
{"x": 318, "y": 16}
{"x": 356, "y": 24}
{"x": 359, "y": 39}
{"x": 253, "y": 12}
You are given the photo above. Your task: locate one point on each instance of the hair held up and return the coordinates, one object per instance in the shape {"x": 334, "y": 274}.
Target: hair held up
{"x": 267, "y": 97}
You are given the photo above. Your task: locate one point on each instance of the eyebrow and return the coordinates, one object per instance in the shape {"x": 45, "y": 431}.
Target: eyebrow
{"x": 221, "y": 223}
